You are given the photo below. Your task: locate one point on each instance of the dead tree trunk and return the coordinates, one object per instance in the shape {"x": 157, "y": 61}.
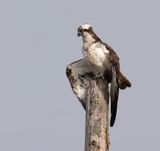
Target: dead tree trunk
{"x": 94, "y": 97}
{"x": 97, "y": 117}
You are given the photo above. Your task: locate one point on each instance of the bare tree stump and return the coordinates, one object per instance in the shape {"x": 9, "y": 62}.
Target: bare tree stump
{"x": 97, "y": 117}
{"x": 94, "y": 97}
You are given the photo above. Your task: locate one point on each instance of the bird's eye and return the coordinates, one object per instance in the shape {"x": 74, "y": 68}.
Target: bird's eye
{"x": 85, "y": 30}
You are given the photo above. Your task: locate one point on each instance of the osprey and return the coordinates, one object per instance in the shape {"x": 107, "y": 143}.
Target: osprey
{"x": 103, "y": 62}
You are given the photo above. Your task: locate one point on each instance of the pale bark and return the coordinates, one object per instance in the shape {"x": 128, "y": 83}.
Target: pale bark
{"x": 97, "y": 117}
{"x": 94, "y": 97}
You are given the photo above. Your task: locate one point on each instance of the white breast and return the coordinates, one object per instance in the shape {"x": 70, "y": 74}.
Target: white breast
{"x": 97, "y": 55}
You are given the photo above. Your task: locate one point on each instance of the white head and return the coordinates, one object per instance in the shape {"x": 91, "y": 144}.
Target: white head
{"x": 84, "y": 28}
{"x": 87, "y": 33}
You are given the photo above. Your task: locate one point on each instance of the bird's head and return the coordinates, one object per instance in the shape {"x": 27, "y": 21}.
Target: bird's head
{"x": 87, "y": 33}
{"x": 85, "y": 28}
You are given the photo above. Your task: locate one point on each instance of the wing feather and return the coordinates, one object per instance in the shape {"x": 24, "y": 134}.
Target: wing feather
{"x": 114, "y": 59}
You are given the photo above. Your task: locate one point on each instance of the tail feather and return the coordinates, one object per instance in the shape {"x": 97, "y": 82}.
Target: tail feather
{"x": 123, "y": 82}
{"x": 114, "y": 92}
{"x": 113, "y": 113}
{"x": 114, "y": 104}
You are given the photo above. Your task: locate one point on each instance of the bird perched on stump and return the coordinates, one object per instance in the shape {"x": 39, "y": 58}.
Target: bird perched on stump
{"x": 104, "y": 63}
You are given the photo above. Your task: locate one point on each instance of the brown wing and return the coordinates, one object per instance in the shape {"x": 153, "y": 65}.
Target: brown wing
{"x": 114, "y": 89}
{"x": 114, "y": 59}
{"x": 123, "y": 82}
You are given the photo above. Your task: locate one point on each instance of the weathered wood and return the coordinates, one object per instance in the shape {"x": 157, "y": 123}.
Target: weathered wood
{"x": 78, "y": 76}
{"x": 94, "y": 97}
{"x": 97, "y": 117}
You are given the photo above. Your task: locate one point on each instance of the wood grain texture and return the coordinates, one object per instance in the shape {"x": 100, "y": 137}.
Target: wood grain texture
{"x": 94, "y": 96}
{"x": 97, "y": 117}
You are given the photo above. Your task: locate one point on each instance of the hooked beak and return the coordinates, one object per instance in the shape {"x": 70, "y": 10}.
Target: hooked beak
{"x": 79, "y": 33}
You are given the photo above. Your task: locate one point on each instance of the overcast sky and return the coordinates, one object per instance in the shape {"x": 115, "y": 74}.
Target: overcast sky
{"x": 38, "y": 111}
